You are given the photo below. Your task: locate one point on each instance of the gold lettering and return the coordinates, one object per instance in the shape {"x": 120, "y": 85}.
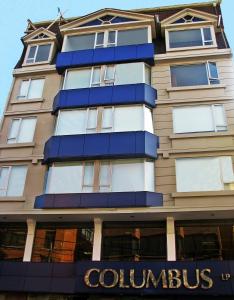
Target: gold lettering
{"x": 185, "y": 280}
{"x": 102, "y": 278}
{"x": 121, "y": 280}
{"x": 132, "y": 279}
{"x": 151, "y": 278}
{"x": 87, "y": 278}
{"x": 174, "y": 278}
{"x": 206, "y": 278}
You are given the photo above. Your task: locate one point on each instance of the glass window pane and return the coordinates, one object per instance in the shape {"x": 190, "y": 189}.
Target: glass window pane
{"x": 129, "y": 73}
{"x": 96, "y": 76}
{"x": 24, "y": 89}
{"x": 111, "y": 37}
{"x": 71, "y": 122}
{"x": 219, "y": 116}
{"x": 104, "y": 177}
{"x": 27, "y": 129}
{"x": 132, "y": 37}
{"x": 213, "y": 70}
{"x": 92, "y": 119}
{"x": 77, "y": 79}
{"x": 12, "y": 136}
{"x": 31, "y": 55}
{"x": 4, "y": 173}
{"x": 128, "y": 118}
{"x": 207, "y": 34}
{"x": 80, "y": 42}
{"x": 17, "y": 181}
{"x": 88, "y": 174}
{"x": 189, "y": 75}
{"x": 43, "y": 53}
{"x": 147, "y": 75}
{"x": 185, "y": 38}
{"x": 36, "y": 88}
{"x": 100, "y": 40}
{"x": 107, "y": 119}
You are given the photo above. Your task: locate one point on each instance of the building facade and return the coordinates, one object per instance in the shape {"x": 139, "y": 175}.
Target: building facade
{"x": 116, "y": 158}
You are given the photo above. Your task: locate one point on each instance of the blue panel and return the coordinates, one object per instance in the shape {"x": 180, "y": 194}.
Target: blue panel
{"x": 110, "y": 55}
{"x": 109, "y": 95}
{"x": 100, "y": 200}
{"x": 101, "y": 145}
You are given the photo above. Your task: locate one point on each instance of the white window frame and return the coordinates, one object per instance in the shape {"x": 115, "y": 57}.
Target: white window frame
{"x": 103, "y": 81}
{"x": 209, "y": 77}
{"x": 214, "y": 45}
{"x": 19, "y": 128}
{"x": 105, "y": 39}
{"x": 35, "y": 55}
{"x": 21, "y": 98}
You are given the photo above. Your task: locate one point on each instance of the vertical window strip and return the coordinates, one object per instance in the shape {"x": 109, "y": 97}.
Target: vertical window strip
{"x": 4, "y": 180}
{"x": 14, "y": 132}
{"x": 91, "y": 123}
{"x": 105, "y": 176}
{"x": 107, "y": 119}
{"x": 218, "y": 113}
{"x": 212, "y": 73}
{"x": 109, "y": 75}
{"x": 88, "y": 177}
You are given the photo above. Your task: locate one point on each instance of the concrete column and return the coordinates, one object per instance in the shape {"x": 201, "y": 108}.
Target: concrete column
{"x": 97, "y": 239}
{"x": 171, "y": 243}
{"x": 31, "y": 223}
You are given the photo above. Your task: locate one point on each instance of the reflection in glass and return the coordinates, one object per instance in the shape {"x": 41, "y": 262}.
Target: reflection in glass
{"x": 12, "y": 242}
{"x": 205, "y": 241}
{"x": 60, "y": 243}
{"x": 134, "y": 242}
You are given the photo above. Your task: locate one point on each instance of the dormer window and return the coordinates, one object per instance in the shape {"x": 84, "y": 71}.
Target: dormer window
{"x": 188, "y": 19}
{"x": 38, "y": 53}
{"x": 191, "y": 38}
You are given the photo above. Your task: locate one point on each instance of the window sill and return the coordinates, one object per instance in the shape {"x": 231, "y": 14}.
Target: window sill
{"x": 196, "y": 87}
{"x": 16, "y": 145}
{"x": 203, "y": 194}
{"x": 27, "y": 101}
{"x": 12, "y": 199}
{"x": 36, "y": 63}
{"x": 191, "y": 48}
{"x": 200, "y": 135}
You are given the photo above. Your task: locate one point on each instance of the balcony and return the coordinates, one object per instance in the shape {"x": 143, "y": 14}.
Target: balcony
{"x": 137, "y": 144}
{"x": 99, "y": 200}
{"x": 119, "y": 54}
{"x": 107, "y": 95}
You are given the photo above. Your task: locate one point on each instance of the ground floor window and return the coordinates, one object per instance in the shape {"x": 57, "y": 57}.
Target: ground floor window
{"x": 63, "y": 242}
{"x": 137, "y": 241}
{"x": 205, "y": 240}
{"x": 12, "y": 241}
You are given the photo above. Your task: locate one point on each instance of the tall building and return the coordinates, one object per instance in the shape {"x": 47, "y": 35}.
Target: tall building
{"x": 116, "y": 158}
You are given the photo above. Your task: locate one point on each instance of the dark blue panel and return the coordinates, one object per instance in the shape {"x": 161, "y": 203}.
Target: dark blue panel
{"x": 109, "y": 95}
{"x": 135, "y": 144}
{"x": 110, "y": 55}
{"x": 102, "y": 200}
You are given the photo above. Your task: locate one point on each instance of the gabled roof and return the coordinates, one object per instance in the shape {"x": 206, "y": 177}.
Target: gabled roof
{"x": 192, "y": 12}
{"x": 40, "y": 34}
{"x": 106, "y": 12}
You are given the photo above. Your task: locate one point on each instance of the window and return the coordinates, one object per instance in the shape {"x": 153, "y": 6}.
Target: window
{"x": 110, "y": 176}
{"x": 190, "y": 38}
{"x": 133, "y": 241}
{"x": 12, "y": 242}
{"x": 188, "y": 19}
{"x": 22, "y": 130}
{"x": 106, "y": 38}
{"x": 104, "y": 119}
{"x": 205, "y": 240}
{"x": 62, "y": 243}
{"x": 31, "y": 89}
{"x": 203, "y": 174}
{"x": 12, "y": 180}
{"x": 107, "y": 75}
{"x": 199, "y": 118}
{"x": 38, "y": 53}
{"x": 191, "y": 75}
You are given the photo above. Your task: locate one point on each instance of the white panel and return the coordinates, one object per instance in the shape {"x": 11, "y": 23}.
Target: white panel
{"x": 64, "y": 179}
{"x": 13, "y": 131}
{"x": 36, "y": 88}
{"x": 71, "y": 122}
{"x": 148, "y": 120}
{"x": 227, "y": 169}
{"x": 17, "y": 181}
{"x": 129, "y": 73}
{"x": 193, "y": 119}
{"x": 77, "y": 79}
{"x": 24, "y": 89}
{"x": 149, "y": 176}
{"x": 198, "y": 174}
{"x": 27, "y": 129}
{"x": 128, "y": 118}
{"x": 128, "y": 176}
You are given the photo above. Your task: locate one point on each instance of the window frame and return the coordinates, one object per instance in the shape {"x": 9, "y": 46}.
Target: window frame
{"x": 19, "y": 128}
{"x": 189, "y": 26}
{"x": 20, "y": 98}
{"x": 29, "y": 46}
{"x": 105, "y": 39}
{"x": 215, "y": 125}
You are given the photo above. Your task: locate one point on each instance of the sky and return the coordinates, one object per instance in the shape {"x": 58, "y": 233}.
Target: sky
{"x": 14, "y": 15}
